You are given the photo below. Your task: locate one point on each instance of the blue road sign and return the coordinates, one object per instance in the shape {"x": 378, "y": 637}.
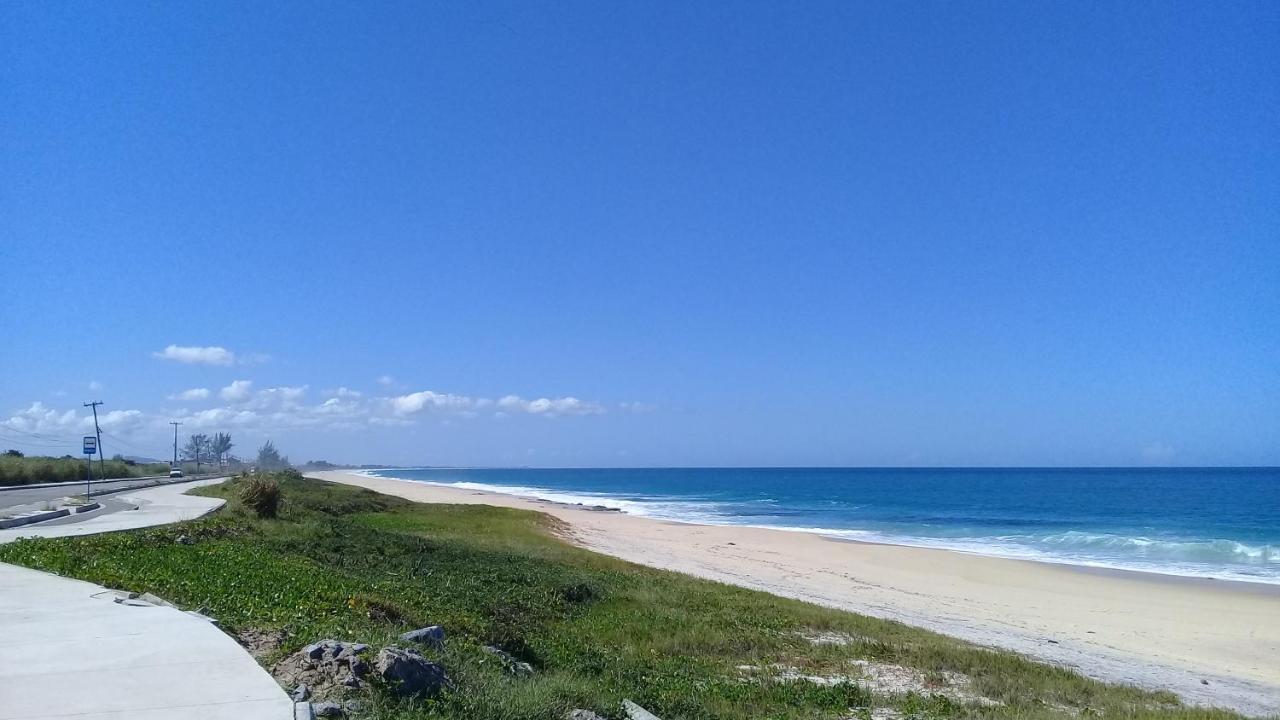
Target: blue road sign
{"x": 90, "y": 444}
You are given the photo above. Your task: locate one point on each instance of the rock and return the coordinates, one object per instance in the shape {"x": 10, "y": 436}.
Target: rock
{"x": 512, "y": 665}
{"x": 635, "y": 712}
{"x": 410, "y": 673}
{"x": 325, "y": 670}
{"x": 156, "y": 600}
{"x": 327, "y": 710}
{"x": 582, "y": 715}
{"x": 185, "y": 540}
{"x": 431, "y": 636}
{"x": 316, "y": 650}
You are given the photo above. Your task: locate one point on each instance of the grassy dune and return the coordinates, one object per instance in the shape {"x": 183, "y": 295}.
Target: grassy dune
{"x": 352, "y": 564}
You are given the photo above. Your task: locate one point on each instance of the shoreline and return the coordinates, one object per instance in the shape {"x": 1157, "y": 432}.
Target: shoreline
{"x": 1212, "y": 642}
{"x": 568, "y": 499}
{"x": 1236, "y": 585}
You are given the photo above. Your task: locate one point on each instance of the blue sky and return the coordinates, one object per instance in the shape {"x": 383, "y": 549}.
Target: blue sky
{"x": 985, "y": 233}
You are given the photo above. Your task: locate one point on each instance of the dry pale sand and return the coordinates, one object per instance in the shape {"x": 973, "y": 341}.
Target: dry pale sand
{"x": 1150, "y": 630}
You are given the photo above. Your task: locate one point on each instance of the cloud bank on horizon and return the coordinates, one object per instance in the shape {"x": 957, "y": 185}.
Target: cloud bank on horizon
{"x": 239, "y": 405}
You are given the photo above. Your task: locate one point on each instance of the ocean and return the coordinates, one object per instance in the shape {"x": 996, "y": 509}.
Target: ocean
{"x": 1205, "y": 522}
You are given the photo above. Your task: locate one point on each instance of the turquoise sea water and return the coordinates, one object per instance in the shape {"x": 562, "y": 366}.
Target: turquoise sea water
{"x": 1221, "y": 523}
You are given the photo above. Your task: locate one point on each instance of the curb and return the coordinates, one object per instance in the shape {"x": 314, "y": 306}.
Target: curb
{"x": 33, "y": 518}
{"x": 302, "y": 711}
{"x": 23, "y": 520}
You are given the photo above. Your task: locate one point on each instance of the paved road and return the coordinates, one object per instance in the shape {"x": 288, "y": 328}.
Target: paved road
{"x": 145, "y": 507}
{"x": 27, "y": 495}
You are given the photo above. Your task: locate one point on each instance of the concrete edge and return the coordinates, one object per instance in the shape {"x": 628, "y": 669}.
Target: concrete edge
{"x": 302, "y": 711}
{"x": 87, "y": 508}
{"x": 21, "y": 520}
{"x": 53, "y": 515}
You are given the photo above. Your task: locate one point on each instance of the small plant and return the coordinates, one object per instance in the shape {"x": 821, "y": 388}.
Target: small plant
{"x": 262, "y": 496}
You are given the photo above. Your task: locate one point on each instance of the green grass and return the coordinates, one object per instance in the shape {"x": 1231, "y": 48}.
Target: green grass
{"x": 30, "y": 470}
{"x": 352, "y": 564}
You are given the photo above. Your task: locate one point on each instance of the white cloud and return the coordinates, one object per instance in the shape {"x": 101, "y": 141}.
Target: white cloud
{"x": 94, "y": 385}
{"x": 386, "y": 380}
{"x": 551, "y": 407}
{"x": 279, "y": 397}
{"x": 237, "y": 391}
{"x": 638, "y": 407}
{"x": 246, "y": 410}
{"x": 211, "y": 355}
{"x": 41, "y": 419}
{"x": 428, "y": 400}
{"x": 45, "y": 428}
{"x": 192, "y": 394}
{"x": 221, "y": 417}
{"x": 121, "y": 421}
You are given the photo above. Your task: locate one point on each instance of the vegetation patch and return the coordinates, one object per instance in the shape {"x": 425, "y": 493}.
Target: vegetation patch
{"x": 355, "y": 566}
{"x": 18, "y": 469}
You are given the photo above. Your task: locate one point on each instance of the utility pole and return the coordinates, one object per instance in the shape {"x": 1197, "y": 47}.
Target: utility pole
{"x": 175, "y": 443}
{"x": 102, "y": 465}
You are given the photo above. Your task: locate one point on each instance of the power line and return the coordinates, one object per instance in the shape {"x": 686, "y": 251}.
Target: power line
{"x": 126, "y": 445}
{"x": 50, "y": 442}
{"x": 40, "y": 435}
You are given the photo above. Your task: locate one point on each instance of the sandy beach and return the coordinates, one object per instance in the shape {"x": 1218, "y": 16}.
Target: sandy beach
{"x": 1211, "y": 642}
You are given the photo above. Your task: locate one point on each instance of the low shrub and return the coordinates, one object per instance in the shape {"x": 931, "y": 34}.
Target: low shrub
{"x": 262, "y": 496}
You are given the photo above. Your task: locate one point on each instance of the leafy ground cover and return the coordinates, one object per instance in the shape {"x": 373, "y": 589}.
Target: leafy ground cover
{"x": 352, "y": 564}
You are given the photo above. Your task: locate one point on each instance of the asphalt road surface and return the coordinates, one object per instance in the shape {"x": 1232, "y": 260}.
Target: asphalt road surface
{"x": 25, "y": 495}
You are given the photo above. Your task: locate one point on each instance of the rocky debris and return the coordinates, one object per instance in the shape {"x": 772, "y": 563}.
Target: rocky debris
{"x": 1085, "y": 711}
{"x": 880, "y": 713}
{"x": 635, "y": 712}
{"x": 261, "y": 644}
{"x": 325, "y": 669}
{"x": 302, "y": 693}
{"x": 327, "y": 710}
{"x": 432, "y": 636}
{"x": 509, "y": 662}
{"x": 409, "y": 673}
{"x": 582, "y": 715}
{"x": 185, "y": 540}
{"x": 887, "y": 679}
{"x": 828, "y": 637}
{"x": 317, "y": 650}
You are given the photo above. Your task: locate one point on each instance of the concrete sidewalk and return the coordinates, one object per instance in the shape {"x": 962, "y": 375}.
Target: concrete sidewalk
{"x": 72, "y": 651}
